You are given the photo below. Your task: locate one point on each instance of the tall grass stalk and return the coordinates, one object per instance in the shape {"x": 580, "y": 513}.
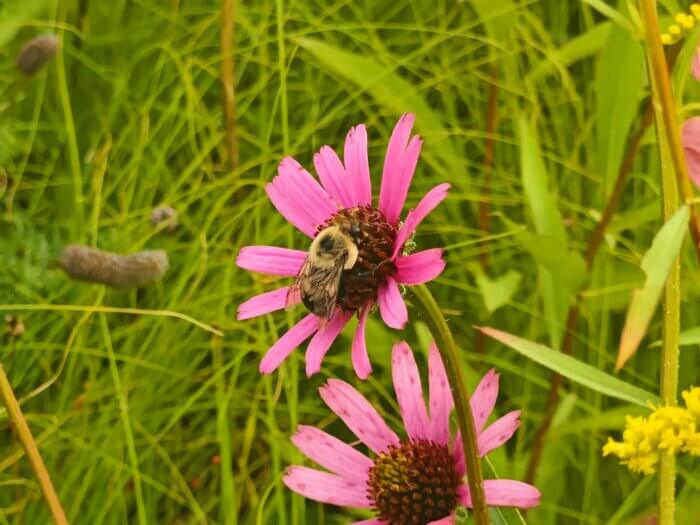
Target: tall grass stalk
{"x": 671, "y": 152}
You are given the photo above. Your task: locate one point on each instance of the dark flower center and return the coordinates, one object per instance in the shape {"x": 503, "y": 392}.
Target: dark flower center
{"x": 374, "y": 238}
{"x": 414, "y": 483}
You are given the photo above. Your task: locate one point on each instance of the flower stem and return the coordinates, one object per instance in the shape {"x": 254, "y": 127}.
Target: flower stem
{"x": 16, "y": 416}
{"x": 672, "y": 162}
{"x": 228, "y": 9}
{"x": 432, "y": 315}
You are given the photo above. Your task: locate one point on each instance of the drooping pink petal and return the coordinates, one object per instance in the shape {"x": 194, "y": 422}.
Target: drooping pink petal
{"x": 323, "y": 339}
{"x": 419, "y": 267}
{"x": 357, "y": 165}
{"x": 327, "y": 488}
{"x": 690, "y": 137}
{"x": 441, "y": 401}
{"x": 359, "y": 415}
{"x": 399, "y": 165}
{"x": 505, "y": 493}
{"x": 333, "y": 177}
{"x": 265, "y": 303}
{"x": 414, "y": 217}
{"x": 458, "y": 453}
{"x": 484, "y": 399}
{"x": 447, "y": 520}
{"x": 498, "y": 432}
{"x": 371, "y": 521}
{"x": 284, "y": 346}
{"x": 695, "y": 66}
{"x": 391, "y": 305}
{"x": 299, "y": 198}
{"x": 271, "y": 260}
{"x": 360, "y": 359}
{"x": 409, "y": 392}
{"x": 293, "y": 211}
{"x": 331, "y": 453}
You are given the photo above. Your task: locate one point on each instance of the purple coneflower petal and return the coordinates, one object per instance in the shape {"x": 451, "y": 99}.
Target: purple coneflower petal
{"x": 267, "y": 302}
{"x": 360, "y": 359}
{"x": 284, "y": 346}
{"x": 327, "y": 488}
{"x": 359, "y": 415}
{"x": 505, "y": 493}
{"x": 271, "y": 260}
{"x": 331, "y": 453}
{"x": 420, "y": 267}
{"x": 357, "y": 165}
{"x": 323, "y": 339}
{"x": 441, "y": 401}
{"x": 372, "y": 521}
{"x": 498, "y": 432}
{"x": 333, "y": 177}
{"x": 304, "y": 199}
{"x": 484, "y": 399}
{"x": 294, "y": 212}
{"x": 690, "y": 137}
{"x": 409, "y": 392}
{"x": 399, "y": 165}
{"x": 414, "y": 217}
{"x": 391, "y": 305}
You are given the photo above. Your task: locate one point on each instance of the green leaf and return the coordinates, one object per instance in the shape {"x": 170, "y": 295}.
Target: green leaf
{"x": 578, "y": 48}
{"x": 620, "y": 78}
{"x": 548, "y": 223}
{"x": 496, "y": 292}
{"x": 656, "y": 264}
{"x": 499, "y": 16}
{"x": 688, "y": 337}
{"x": 16, "y": 14}
{"x": 573, "y": 369}
{"x": 388, "y": 88}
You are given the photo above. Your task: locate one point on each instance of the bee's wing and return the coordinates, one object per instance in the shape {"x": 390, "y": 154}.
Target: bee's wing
{"x": 294, "y": 291}
{"x": 326, "y": 283}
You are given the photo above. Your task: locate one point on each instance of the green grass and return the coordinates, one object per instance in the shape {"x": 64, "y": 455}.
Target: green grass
{"x": 153, "y": 419}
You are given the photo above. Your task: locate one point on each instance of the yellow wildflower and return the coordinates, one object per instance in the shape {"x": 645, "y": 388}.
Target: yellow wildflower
{"x": 692, "y": 400}
{"x": 667, "y": 430}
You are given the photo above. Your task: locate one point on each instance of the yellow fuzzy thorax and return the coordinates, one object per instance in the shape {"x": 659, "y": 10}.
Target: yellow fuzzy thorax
{"x": 668, "y": 430}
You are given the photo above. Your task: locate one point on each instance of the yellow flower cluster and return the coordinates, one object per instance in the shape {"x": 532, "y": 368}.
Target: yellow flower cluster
{"x": 684, "y": 23}
{"x": 668, "y": 430}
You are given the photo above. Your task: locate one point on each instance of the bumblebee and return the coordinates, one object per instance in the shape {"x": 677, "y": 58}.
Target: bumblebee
{"x": 332, "y": 251}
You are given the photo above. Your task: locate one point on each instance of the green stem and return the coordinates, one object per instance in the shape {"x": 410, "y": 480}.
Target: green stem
{"x": 674, "y": 176}
{"x": 425, "y": 302}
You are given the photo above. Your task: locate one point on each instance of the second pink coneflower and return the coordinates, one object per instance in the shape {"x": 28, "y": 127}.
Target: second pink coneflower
{"x": 343, "y": 199}
{"x": 418, "y": 479}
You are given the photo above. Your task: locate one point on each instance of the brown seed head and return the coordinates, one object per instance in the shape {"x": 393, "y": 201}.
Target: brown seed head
{"x": 36, "y": 53}
{"x": 374, "y": 238}
{"x": 120, "y": 271}
{"x": 414, "y": 483}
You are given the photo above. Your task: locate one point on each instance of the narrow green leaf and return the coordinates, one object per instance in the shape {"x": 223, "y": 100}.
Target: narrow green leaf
{"x": 387, "y": 87}
{"x": 548, "y": 223}
{"x": 573, "y": 369}
{"x": 688, "y": 337}
{"x": 499, "y": 16}
{"x": 578, "y": 48}
{"x": 620, "y": 77}
{"x": 656, "y": 265}
{"x": 496, "y": 292}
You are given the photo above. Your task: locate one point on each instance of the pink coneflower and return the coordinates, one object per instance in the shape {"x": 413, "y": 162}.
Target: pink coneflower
{"x": 416, "y": 480}
{"x": 690, "y": 137}
{"x": 343, "y": 200}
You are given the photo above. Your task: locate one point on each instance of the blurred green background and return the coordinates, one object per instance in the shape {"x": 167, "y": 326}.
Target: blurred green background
{"x": 151, "y": 419}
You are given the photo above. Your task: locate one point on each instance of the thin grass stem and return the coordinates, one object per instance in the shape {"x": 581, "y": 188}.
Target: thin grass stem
{"x": 425, "y": 302}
